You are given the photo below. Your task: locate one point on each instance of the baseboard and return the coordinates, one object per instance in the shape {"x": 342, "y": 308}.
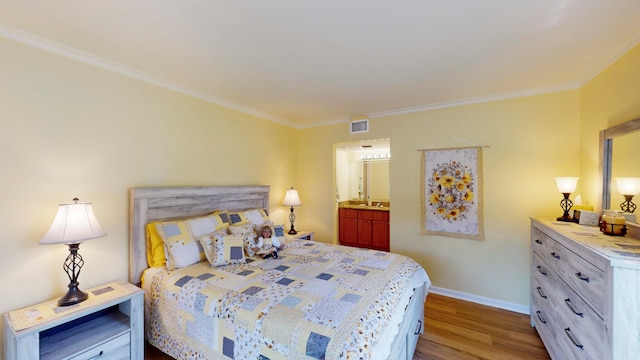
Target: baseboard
{"x": 481, "y": 300}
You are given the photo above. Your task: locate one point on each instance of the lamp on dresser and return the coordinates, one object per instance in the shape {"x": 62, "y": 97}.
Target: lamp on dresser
{"x": 73, "y": 224}
{"x": 292, "y": 199}
{"x": 566, "y": 185}
{"x": 628, "y": 187}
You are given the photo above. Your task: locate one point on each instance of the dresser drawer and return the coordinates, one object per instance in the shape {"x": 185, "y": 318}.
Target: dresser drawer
{"x": 579, "y": 330}
{"x": 117, "y": 348}
{"x": 581, "y": 275}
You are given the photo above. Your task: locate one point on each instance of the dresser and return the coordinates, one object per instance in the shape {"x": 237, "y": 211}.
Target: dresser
{"x": 364, "y": 228}
{"x": 585, "y": 291}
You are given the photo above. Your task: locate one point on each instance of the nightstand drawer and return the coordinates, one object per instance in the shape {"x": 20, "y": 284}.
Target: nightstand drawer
{"x": 115, "y": 349}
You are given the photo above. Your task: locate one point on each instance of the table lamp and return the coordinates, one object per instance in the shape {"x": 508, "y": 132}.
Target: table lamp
{"x": 628, "y": 187}
{"x": 292, "y": 199}
{"x": 73, "y": 224}
{"x": 566, "y": 185}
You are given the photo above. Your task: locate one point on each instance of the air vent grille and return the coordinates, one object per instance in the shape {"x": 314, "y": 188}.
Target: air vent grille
{"x": 359, "y": 126}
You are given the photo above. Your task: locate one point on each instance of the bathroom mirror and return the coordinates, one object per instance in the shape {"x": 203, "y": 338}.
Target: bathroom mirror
{"x": 369, "y": 180}
{"x": 619, "y": 157}
{"x": 362, "y": 170}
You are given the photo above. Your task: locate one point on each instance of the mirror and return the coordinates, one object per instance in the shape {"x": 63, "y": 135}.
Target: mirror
{"x": 362, "y": 170}
{"x": 619, "y": 162}
{"x": 369, "y": 179}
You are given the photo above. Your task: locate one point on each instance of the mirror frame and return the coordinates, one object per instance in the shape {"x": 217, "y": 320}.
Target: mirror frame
{"x": 606, "y": 151}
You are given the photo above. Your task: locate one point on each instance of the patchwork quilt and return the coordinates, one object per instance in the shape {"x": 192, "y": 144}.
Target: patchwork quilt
{"x": 315, "y": 301}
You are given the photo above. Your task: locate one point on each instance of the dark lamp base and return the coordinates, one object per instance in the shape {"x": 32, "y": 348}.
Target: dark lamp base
{"x": 73, "y": 296}
{"x": 563, "y": 218}
{"x": 292, "y": 231}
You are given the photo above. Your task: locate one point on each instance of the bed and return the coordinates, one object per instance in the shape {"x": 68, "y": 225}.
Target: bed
{"x": 314, "y": 301}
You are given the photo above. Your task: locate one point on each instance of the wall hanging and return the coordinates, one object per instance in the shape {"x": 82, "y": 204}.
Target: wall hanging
{"x": 451, "y": 192}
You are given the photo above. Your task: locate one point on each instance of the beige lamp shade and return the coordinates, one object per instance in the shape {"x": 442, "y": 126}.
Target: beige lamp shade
{"x": 628, "y": 185}
{"x": 74, "y": 223}
{"x": 567, "y": 184}
{"x": 291, "y": 198}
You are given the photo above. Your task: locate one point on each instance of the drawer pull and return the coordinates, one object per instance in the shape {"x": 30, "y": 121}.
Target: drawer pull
{"x": 581, "y": 277}
{"x": 540, "y": 317}
{"x": 97, "y": 356}
{"x": 538, "y": 241}
{"x": 577, "y": 344}
{"x": 555, "y": 255}
{"x": 541, "y": 293}
{"x": 540, "y": 270}
{"x": 568, "y": 302}
{"x": 418, "y": 328}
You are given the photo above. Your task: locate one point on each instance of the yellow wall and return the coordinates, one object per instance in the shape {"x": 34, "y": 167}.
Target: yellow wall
{"x": 72, "y": 130}
{"x": 530, "y": 141}
{"x": 611, "y": 98}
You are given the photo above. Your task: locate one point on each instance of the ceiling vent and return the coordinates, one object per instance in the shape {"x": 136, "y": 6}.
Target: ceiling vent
{"x": 359, "y": 126}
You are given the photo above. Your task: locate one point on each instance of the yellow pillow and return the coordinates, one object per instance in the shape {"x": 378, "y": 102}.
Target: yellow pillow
{"x": 155, "y": 247}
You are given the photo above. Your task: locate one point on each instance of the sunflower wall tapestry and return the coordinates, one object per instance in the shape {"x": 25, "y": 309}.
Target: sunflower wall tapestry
{"x": 452, "y": 192}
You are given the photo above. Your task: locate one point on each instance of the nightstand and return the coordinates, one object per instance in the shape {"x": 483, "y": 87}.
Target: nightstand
{"x": 302, "y": 235}
{"x": 109, "y": 324}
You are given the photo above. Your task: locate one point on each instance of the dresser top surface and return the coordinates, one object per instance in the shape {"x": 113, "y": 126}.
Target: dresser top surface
{"x": 620, "y": 250}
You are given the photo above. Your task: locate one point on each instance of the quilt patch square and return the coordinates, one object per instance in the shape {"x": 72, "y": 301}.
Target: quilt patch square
{"x": 329, "y": 312}
{"x": 352, "y": 298}
{"x": 199, "y": 328}
{"x": 227, "y": 347}
{"x": 360, "y": 272}
{"x": 281, "y": 268}
{"x": 183, "y": 280}
{"x": 236, "y": 253}
{"x": 205, "y": 276}
{"x": 252, "y": 290}
{"x": 321, "y": 288}
{"x": 291, "y": 301}
{"x": 199, "y": 302}
{"x": 284, "y": 281}
{"x": 324, "y": 276}
{"x": 245, "y": 272}
{"x": 348, "y": 260}
{"x": 308, "y": 244}
{"x": 317, "y": 345}
{"x": 251, "y": 303}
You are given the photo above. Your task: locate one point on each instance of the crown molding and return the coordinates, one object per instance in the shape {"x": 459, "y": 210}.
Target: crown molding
{"x": 479, "y": 99}
{"x": 90, "y": 59}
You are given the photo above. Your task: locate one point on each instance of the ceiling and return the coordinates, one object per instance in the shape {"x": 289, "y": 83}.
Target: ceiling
{"x": 307, "y": 62}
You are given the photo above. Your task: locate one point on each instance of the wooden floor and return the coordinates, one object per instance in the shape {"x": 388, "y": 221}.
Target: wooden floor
{"x": 456, "y": 329}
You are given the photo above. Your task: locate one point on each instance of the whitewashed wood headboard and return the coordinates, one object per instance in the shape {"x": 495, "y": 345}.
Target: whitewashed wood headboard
{"x": 149, "y": 204}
